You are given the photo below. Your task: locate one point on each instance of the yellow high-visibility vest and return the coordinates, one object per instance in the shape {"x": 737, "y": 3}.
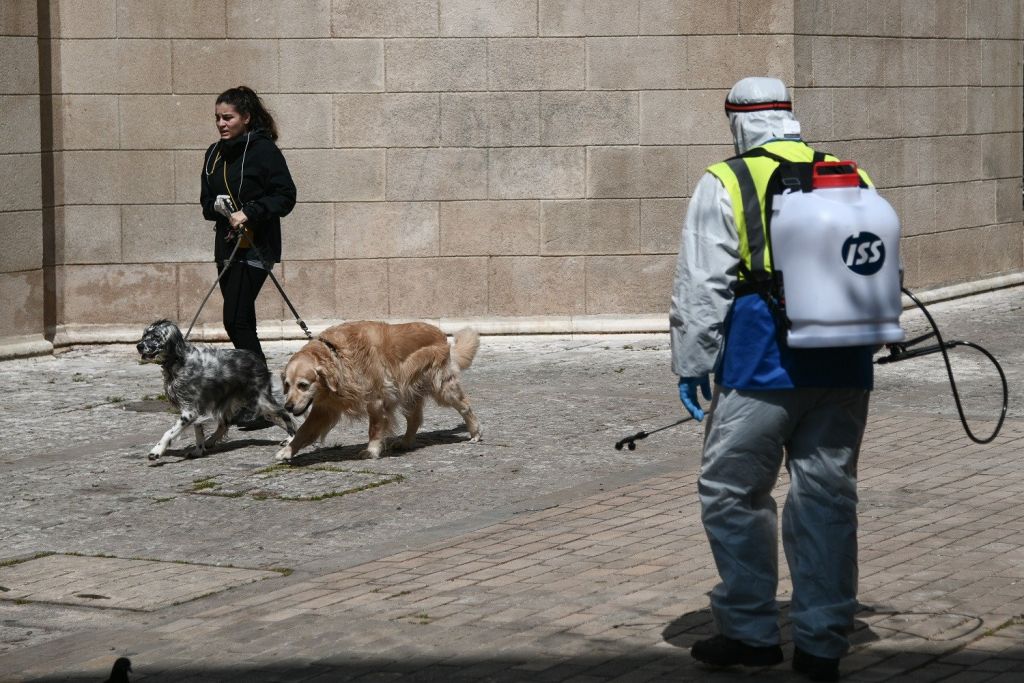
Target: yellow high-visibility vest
{"x": 746, "y": 179}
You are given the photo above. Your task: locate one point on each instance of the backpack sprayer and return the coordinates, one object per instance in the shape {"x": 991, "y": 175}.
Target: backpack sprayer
{"x": 823, "y": 301}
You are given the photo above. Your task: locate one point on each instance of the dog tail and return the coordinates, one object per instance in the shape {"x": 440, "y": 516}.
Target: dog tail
{"x": 467, "y": 341}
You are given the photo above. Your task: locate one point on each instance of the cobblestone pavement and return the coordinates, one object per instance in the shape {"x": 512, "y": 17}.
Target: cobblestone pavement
{"x": 539, "y": 554}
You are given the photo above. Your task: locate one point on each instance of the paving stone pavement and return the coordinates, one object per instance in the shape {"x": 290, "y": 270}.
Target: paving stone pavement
{"x": 539, "y": 554}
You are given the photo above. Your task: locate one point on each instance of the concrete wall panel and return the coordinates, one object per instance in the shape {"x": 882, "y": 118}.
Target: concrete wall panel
{"x": 589, "y": 17}
{"x": 661, "y": 225}
{"x": 21, "y": 303}
{"x": 179, "y": 19}
{"x": 437, "y": 287}
{"x": 19, "y": 124}
{"x": 382, "y": 229}
{"x": 23, "y": 241}
{"x": 510, "y": 119}
{"x": 384, "y": 18}
{"x": 308, "y": 232}
{"x": 330, "y": 66}
{"x": 537, "y": 173}
{"x": 212, "y": 66}
{"x": 624, "y": 284}
{"x": 595, "y": 226}
{"x": 476, "y": 18}
{"x": 532, "y": 285}
{"x": 110, "y": 177}
{"x": 618, "y": 172}
{"x": 687, "y": 17}
{"x": 436, "y": 65}
{"x": 128, "y": 66}
{"x": 86, "y": 122}
{"x": 589, "y": 118}
{"x": 113, "y": 294}
{"x": 89, "y": 234}
{"x": 186, "y": 121}
{"x": 387, "y": 120}
{"x": 84, "y": 18}
{"x": 22, "y": 186}
{"x": 275, "y": 19}
{"x": 18, "y": 18}
{"x": 445, "y": 173}
{"x": 310, "y": 286}
{"x": 361, "y": 289}
{"x": 337, "y": 175}
{"x": 495, "y": 228}
{"x": 637, "y": 63}
{"x": 536, "y": 64}
{"x": 20, "y": 75}
{"x": 165, "y": 234}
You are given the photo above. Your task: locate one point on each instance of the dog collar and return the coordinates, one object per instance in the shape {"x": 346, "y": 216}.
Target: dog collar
{"x": 329, "y": 345}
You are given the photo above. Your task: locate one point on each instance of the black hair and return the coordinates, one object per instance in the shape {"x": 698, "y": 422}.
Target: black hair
{"x": 246, "y": 101}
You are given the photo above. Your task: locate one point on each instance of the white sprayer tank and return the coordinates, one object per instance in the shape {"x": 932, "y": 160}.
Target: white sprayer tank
{"x": 837, "y": 251}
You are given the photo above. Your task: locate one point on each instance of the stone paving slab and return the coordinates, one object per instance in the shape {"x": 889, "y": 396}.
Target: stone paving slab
{"x": 541, "y": 554}
{"x": 116, "y": 583}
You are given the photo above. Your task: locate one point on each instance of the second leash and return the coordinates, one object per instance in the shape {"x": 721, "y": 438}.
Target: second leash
{"x": 268, "y": 267}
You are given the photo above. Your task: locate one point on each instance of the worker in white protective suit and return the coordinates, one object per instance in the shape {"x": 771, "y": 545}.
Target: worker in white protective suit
{"x": 770, "y": 400}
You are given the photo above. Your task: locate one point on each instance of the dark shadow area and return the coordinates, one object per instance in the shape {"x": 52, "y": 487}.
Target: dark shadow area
{"x": 354, "y": 451}
{"x": 47, "y": 163}
{"x": 173, "y": 456}
{"x": 899, "y": 663}
{"x": 693, "y": 626}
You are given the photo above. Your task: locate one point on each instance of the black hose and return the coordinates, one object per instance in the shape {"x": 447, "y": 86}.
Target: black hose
{"x": 943, "y": 346}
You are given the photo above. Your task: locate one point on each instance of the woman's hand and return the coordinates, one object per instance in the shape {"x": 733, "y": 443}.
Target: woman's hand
{"x": 238, "y": 219}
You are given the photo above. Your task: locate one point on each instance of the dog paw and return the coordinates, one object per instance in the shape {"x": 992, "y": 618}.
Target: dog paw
{"x": 153, "y": 455}
{"x": 368, "y": 454}
{"x": 284, "y": 455}
{"x": 476, "y": 438}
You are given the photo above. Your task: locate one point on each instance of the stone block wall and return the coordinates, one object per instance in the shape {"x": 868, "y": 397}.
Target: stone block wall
{"x": 506, "y": 161}
{"x": 928, "y": 97}
{"x": 22, "y": 281}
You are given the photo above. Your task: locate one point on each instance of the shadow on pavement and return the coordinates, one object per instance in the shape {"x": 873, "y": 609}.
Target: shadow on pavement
{"x": 354, "y": 451}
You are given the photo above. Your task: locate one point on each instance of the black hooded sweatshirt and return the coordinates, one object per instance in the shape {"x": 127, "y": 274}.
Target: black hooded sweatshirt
{"x": 266, "y": 191}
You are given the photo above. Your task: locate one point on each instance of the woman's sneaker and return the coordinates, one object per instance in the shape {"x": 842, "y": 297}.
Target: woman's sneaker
{"x": 722, "y": 651}
{"x": 814, "y": 667}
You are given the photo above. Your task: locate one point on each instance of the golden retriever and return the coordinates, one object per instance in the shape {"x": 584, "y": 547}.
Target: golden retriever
{"x": 376, "y": 370}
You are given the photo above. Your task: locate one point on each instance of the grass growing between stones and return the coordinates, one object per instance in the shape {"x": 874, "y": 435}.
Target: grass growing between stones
{"x": 285, "y": 482}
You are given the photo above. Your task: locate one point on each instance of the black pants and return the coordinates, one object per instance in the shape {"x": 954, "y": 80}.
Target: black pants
{"x": 240, "y": 286}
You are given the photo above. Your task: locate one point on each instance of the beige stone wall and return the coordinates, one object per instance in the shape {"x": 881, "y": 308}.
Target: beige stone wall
{"x": 476, "y": 159}
{"x": 927, "y": 95}
{"x": 22, "y": 282}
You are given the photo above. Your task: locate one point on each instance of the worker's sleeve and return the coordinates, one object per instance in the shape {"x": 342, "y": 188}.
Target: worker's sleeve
{"x": 705, "y": 272}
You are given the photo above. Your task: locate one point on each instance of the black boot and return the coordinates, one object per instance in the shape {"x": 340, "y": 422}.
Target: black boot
{"x": 814, "y": 667}
{"x": 722, "y": 651}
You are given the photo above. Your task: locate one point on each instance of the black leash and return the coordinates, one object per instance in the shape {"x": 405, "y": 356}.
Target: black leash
{"x": 266, "y": 266}
{"x": 223, "y": 270}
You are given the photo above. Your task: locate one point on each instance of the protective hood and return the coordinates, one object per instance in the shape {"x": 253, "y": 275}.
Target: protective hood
{"x": 760, "y": 110}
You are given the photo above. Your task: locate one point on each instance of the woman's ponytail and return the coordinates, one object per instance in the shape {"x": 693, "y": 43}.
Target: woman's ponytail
{"x": 246, "y": 101}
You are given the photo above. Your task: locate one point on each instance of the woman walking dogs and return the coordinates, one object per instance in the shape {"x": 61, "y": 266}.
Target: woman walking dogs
{"x": 246, "y": 189}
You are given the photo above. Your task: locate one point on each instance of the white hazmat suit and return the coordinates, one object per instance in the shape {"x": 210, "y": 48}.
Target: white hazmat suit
{"x": 818, "y": 428}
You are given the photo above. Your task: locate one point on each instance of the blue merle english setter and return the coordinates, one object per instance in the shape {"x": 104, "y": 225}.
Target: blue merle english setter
{"x": 208, "y": 385}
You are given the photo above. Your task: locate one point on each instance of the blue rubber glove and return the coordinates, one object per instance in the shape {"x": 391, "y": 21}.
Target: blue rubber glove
{"x": 688, "y": 394}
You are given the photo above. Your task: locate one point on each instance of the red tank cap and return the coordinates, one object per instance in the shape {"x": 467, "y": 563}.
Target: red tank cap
{"x": 828, "y": 174}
